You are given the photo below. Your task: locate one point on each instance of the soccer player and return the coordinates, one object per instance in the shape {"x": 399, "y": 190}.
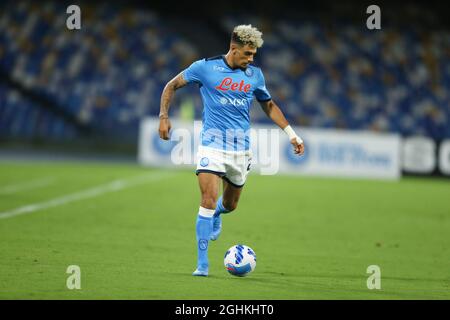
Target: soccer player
{"x": 227, "y": 85}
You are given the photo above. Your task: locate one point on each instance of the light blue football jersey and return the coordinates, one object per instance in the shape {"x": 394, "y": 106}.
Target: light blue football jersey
{"x": 227, "y": 95}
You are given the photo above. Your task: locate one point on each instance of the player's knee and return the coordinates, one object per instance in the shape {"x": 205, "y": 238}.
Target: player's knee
{"x": 230, "y": 205}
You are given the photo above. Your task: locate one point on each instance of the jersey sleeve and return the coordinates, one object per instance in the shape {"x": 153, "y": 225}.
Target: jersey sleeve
{"x": 194, "y": 72}
{"x": 261, "y": 93}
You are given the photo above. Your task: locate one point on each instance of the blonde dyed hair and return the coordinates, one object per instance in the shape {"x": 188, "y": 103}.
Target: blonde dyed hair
{"x": 246, "y": 34}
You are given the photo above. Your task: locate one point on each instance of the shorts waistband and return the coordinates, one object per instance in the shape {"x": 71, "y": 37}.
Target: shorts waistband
{"x": 225, "y": 152}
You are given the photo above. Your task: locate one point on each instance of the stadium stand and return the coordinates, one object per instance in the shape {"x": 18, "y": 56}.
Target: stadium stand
{"x": 112, "y": 74}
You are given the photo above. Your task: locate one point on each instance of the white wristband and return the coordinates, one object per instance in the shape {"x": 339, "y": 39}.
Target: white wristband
{"x": 291, "y": 134}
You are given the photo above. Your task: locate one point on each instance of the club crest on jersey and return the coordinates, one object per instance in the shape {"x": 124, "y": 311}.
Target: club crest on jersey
{"x": 248, "y": 72}
{"x": 228, "y": 84}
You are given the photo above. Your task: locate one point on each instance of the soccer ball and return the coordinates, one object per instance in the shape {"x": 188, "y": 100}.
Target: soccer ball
{"x": 240, "y": 260}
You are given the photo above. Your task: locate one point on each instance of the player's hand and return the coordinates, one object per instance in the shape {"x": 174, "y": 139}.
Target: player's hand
{"x": 299, "y": 147}
{"x": 164, "y": 128}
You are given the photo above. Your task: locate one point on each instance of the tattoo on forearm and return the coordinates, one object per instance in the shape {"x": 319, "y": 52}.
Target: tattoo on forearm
{"x": 166, "y": 97}
{"x": 168, "y": 93}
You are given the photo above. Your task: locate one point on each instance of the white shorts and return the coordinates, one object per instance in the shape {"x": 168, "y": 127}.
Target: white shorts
{"x": 232, "y": 166}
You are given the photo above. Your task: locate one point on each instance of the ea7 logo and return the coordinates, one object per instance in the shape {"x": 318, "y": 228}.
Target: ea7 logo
{"x": 235, "y": 102}
{"x": 218, "y": 68}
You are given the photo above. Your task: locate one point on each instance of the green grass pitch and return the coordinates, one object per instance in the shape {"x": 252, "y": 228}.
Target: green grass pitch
{"x": 135, "y": 238}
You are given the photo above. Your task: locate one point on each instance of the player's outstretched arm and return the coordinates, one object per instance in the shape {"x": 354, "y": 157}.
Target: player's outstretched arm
{"x": 166, "y": 97}
{"x": 277, "y": 116}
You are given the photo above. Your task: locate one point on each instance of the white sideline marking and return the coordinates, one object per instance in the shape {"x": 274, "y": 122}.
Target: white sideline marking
{"x": 115, "y": 185}
{"x": 43, "y": 182}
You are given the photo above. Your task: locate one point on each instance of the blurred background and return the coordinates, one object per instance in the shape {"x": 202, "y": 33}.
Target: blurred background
{"x": 85, "y": 91}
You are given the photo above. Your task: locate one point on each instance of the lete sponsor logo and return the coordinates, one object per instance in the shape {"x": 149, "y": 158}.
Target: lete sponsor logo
{"x": 228, "y": 84}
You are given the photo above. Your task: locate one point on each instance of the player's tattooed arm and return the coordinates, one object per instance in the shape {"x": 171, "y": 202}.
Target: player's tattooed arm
{"x": 166, "y": 97}
{"x": 168, "y": 93}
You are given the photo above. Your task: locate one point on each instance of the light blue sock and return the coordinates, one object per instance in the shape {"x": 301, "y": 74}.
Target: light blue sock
{"x": 220, "y": 208}
{"x": 203, "y": 229}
